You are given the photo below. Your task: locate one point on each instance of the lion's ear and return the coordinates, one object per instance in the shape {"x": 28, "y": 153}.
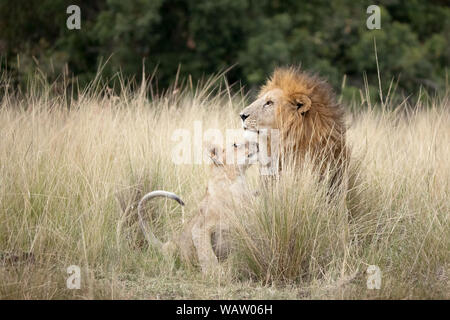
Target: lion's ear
{"x": 302, "y": 103}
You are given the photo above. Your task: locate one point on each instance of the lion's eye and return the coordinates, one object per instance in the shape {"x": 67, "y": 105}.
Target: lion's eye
{"x": 268, "y": 103}
{"x": 299, "y": 105}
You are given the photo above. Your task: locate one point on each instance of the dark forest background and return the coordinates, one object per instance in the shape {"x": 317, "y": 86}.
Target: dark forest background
{"x": 207, "y": 36}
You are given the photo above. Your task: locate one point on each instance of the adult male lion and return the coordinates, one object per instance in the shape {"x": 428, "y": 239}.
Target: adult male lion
{"x": 309, "y": 120}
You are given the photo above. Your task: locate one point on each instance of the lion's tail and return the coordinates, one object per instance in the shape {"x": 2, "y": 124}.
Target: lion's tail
{"x": 149, "y": 236}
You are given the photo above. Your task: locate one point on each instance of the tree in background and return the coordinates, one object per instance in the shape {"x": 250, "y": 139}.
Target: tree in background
{"x": 204, "y": 37}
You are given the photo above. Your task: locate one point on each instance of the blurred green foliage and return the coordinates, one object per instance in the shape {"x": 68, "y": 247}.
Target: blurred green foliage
{"x": 206, "y": 36}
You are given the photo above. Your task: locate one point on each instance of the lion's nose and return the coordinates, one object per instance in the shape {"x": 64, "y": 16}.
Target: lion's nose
{"x": 243, "y": 116}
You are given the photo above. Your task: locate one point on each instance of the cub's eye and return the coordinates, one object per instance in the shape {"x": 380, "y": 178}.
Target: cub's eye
{"x": 268, "y": 103}
{"x": 299, "y": 105}
{"x": 235, "y": 145}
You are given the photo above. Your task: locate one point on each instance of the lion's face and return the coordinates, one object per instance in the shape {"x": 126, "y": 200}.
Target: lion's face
{"x": 271, "y": 107}
{"x": 304, "y": 110}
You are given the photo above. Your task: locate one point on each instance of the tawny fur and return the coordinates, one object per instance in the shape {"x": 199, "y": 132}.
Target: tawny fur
{"x": 204, "y": 238}
{"x": 305, "y": 111}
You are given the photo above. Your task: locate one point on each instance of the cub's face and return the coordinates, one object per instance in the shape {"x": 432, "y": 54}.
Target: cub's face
{"x": 266, "y": 111}
{"x": 238, "y": 156}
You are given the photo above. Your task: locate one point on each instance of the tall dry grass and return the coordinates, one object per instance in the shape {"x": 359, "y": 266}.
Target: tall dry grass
{"x": 72, "y": 170}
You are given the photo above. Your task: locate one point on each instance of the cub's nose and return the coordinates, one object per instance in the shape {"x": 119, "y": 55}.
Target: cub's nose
{"x": 244, "y": 116}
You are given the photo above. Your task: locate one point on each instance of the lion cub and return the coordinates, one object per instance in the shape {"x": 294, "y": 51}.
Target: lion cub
{"x": 203, "y": 238}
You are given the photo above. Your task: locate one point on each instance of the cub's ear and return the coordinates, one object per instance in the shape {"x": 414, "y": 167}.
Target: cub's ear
{"x": 215, "y": 153}
{"x": 302, "y": 103}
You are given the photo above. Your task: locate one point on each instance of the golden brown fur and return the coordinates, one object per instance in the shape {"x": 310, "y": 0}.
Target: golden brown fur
{"x": 204, "y": 238}
{"x": 305, "y": 111}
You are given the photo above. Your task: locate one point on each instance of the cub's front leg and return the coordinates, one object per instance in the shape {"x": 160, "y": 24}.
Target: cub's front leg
{"x": 201, "y": 236}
